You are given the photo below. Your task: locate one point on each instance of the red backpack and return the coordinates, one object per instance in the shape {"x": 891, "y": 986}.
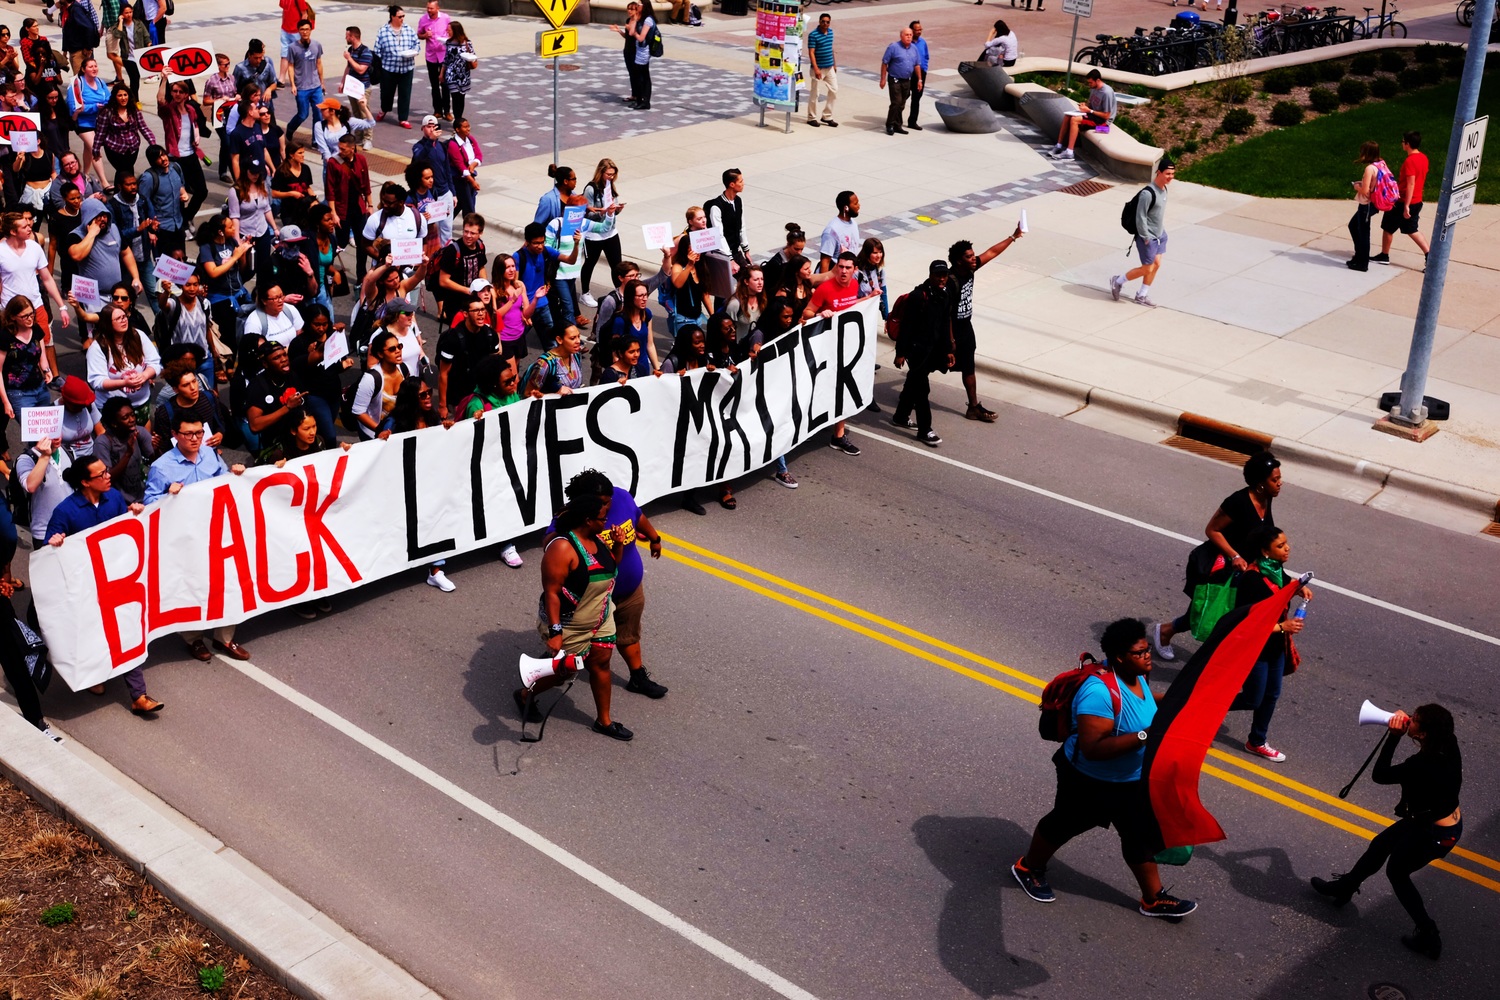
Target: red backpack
{"x": 1056, "y": 722}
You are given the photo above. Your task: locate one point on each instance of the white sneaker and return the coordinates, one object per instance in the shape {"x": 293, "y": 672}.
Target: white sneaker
{"x": 1056, "y": 148}
{"x": 1164, "y": 650}
{"x": 510, "y": 557}
{"x": 437, "y": 578}
{"x": 54, "y": 737}
{"x": 590, "y": 301}
{"x": 1066, "y": 154}
{"x": 1116, "y": 286}
{"x": 1145, "y": 300}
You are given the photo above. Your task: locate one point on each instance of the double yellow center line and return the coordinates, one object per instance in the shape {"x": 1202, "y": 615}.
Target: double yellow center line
{"x": 1249, "y": 776}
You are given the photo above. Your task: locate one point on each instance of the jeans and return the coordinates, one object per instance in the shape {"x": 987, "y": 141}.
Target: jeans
{"x": 1259, "y": 695}
{"x": 397, "y": 88}
{"x": 439, "y": 88}
{"x": 1359, "y": 232}
{"x": 565, "y": 304}
{"x": 24, "y": 397}
{"x": 318, "y": 408}
{"x": 541, "y": 322}
{"x": 197, "y": 186}
{"x": 676, "y": 321}
{"x": 307, "y": 100}
{"x": 640, "y": 82}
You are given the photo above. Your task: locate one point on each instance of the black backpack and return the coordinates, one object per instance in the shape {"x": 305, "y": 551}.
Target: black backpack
{"x": 1127, "y": 214}
{"x": 654, "y": 41}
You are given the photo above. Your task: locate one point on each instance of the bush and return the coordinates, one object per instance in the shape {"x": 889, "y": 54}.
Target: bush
{"x": 1239, "y": 121}
{"x": 1279, "y": 81}
{"x": 59, "y": 914}
{"x": 1364, "y": 64}
{"x": 1431, "y": 73}
{"x": 1191, "y": 146}
{"x": 1286, "y": 113}
{"x": 1453, "y": 67}
{"x": 1384, "y": 87}
{"x": 1410, "y": 79}
{"x": 1306, "y": 75}
{"x": 1324, "y": 100}
{"x": 1392, "y": 61}
{"x": 1332, "y": 72}
{"x": 1138, "y": 90}
{"x": 1235, "y": 90}
{"x": 1429, "y": 53}
{"x": 1127, "y": 124}
{"x": 1146, "y": 137}
{"x": 211, "y": 979}
{"x": 1176, "y": 152}
{"x": 1352, "y": 91}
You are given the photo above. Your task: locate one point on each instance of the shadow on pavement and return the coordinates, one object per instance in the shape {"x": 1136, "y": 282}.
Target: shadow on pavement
{"x": 492, "y": 676}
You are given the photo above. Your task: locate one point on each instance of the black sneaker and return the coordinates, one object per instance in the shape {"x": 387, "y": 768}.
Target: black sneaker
{"x": 614, "y": 731}
{"x": 1167, "y": 906}
{"x": 641, "y": 683}
{"x": 1035, "y": 883}
{"x": 905, "y": 423}
{"x": 844, "y": 445}
{"x": 1380, "y": 258}
{"x": 930, "y": 439}
{"x": 1337, "y": 889}
{"x": 694, "y": 507}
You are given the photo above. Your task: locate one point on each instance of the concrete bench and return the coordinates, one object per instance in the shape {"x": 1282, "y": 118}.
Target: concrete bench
{"x": 1115, "y": 152}
{"x": 968, "y": 116}
{"x": 987, "y": 82}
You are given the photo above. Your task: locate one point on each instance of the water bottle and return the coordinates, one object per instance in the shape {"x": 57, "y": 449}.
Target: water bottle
{"x": 1301, "y": 612}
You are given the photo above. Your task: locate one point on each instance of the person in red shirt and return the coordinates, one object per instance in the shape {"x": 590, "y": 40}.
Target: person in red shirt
{"x": 1403, "y": 215}
{"x": 837, "y": 293}
{"x": 348, "y": 181}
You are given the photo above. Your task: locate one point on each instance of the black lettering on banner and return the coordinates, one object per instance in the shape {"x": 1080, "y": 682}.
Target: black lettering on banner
{"x": 814, "y": 366}
{"x": 847, "y": 362}
{"x": 476, "y": 482}
{"x": 763, "y": 411}
{"x": 525, "y": 499}
{"x": 190, "y": 61}
{"x": 695, "y": 404}
{"x": 729, "y": 407}
{"x": 556, "y": 446}
{"x": 414, "y": 549}
{"x": 603, "y": 440}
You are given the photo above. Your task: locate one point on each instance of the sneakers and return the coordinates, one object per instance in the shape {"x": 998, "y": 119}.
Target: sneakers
{"x": 1066, "y": 154}
{"x": 590, "y": 301}
{"x": 1057, "y": 147}
{"x": 1163, "y": 650}
{"x": 614, "y": 731}
{"x": 908, "y": 423}
{"x": 976, "y": 411}
{"x": 814, "y": 122}
{"x": 844, "y": 445}
{"x": 786, "y": 479}
{"x": 1425, "y": 942}
{"x": 305, "y": 611}
{"x": 1380, "y": 258}
{"x": 510, "y": 557}
{"x": 1145, "y": 300}
{"x": 694, "y": 507}
{"x": 47, "y": 732}
{"x": 641, "y": 683}
{"x": 1167, "y": 906}
{"x": 1035, "y": 883}
{"x": 1337, "y": 890}
{"x": 1267, "y": 751}
{"x": 1116, "y": 286}
{"x": 930, "y": 439}
{"x": 437, "y": 578}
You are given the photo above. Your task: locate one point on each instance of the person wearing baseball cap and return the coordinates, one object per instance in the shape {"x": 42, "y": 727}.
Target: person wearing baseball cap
{"x": 925, "y": 341}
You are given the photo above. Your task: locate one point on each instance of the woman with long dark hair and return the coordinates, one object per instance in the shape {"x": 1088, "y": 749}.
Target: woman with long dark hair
{"x": 1431, "y": 821}
{"x": 22, "y": 360}
{"x": 602, "y": 194}
{"x": 120, "y": 129}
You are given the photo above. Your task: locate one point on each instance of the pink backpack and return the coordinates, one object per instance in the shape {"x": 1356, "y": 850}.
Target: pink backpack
{"x": 1385, "y": 192}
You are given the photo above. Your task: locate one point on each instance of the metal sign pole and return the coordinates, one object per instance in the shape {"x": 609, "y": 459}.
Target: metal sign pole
{"x": 1072, "y": 43}
{"x": 554, "y": 111}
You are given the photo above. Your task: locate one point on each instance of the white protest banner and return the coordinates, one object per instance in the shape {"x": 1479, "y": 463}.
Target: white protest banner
{"x": 406, "y": 252}
{"x": 24, "y": 141}
{"x": 352, "y": 88}
{"x": 85, "y": 290}
{"x": 39, "y": 422}
{"x": 174, "y": 270}
{"x": 658, "y": 235}
{"x": 222, "y": 107}
{"x": 152, "y": 60}
{"x": 704, "y": 240}
{"x": 230, "y": 549}
{"x": 335, "y": 348}
{"x": 12, "y": 122}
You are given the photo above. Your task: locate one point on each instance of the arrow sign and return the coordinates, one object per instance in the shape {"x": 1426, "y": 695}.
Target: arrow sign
{"x": 557, "y": 11}
{"x": 551, "y": 44}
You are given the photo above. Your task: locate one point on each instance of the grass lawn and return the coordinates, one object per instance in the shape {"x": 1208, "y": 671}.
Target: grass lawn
{"x": 1315, "y": 159}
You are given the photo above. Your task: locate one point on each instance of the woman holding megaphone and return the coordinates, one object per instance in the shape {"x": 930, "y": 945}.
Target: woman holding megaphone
{"x": 1431, "y": 821}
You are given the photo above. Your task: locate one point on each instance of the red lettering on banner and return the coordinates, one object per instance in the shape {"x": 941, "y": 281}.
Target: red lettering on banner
{"x": 268, "y": 593}
{"x": 226, "y": 513}
{"x": 318, "y": 534}
{"x": 114, "y": 594}
{"x": 156, "y": 618}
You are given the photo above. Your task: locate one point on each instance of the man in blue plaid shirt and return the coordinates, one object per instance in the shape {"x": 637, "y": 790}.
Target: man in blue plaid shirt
{"x": 397, "y": 47}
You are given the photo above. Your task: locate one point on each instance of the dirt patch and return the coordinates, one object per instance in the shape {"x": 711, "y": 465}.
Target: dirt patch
{"x": 114, "y": 937}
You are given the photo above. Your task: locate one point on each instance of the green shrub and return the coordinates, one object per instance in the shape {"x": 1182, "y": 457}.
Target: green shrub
{"x": 1332, "y": 72}
{"x": 1176, "y": 151}
{"x": 1191, "y": 146}
{"x": 1431, "y": 73}
{"x": 1127, "y": 124}
{"x": 1138, "y": 90}
{"x": 59, "y": 914}
{"x": 1453, "y": 67}
{"x": 211, "y": 979}
{"x": 1352, "y": 91}
{"x": 1364, "y": 64}
{"x": 1323, "y": 100}
{"x": 1279, "y": 81}
{"x": 1428, "y": 53}
{"x": 1410, "y": 79}
{"x": 1384, "y": 87}
{"x": 1286, "y": 113}
{"x": 1239, "y": 121}
{"x": 1392, "y": 61}
{"x": 1235, "y": 90}
{"x": 1146, "y": 137}
{"x": 1306, "y": 75}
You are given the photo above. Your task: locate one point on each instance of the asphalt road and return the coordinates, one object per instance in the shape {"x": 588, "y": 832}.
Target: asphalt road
{"x": 823, "y": 797}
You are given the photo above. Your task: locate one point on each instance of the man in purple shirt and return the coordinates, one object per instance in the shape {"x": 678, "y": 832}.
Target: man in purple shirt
{"x": 432, "y": 29}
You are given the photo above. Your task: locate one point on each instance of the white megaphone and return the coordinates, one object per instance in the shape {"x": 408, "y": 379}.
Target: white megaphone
{"x": 534, "y": 668}
{"x": 1369, "y": 715}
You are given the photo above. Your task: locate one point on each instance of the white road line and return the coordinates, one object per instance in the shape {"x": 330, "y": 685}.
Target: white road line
{"x": 527, "y": 836}
{"x": 1323, "y": 585}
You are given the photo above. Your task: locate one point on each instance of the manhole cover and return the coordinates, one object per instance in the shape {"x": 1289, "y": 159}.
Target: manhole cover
{"x": 1386, "y": 991}
{"x": 1085, "y": 188}
{"x": 568, "y": 67}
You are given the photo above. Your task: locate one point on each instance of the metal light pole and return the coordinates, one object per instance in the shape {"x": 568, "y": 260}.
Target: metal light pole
{"x": 1411, "y": 412}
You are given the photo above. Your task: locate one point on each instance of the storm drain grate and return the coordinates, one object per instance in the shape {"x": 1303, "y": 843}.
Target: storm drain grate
{"x": 1085, "y": 188}
{"x": 1216, "y": 439}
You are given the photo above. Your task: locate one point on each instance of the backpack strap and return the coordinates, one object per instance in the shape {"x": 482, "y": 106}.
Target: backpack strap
{"x": 1106, "y": 674}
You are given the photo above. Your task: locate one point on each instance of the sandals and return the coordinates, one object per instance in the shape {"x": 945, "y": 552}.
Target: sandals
{"x": 527, "y": 706}
{"x": 728, "y": 502}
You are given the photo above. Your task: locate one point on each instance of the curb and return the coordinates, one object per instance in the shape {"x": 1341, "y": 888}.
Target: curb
{"x": 289, "y": 947}
{"x": 1463, "y": 498}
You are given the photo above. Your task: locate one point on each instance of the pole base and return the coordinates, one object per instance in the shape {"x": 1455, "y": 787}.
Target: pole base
{"x": 1418, "y": 433}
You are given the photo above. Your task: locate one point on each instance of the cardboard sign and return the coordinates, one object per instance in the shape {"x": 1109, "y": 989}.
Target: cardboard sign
{"x": 658, "y": 235}
{"x": 352, "y": 88}
{"x": 335, "y": 348}
{"x": 437, "y": 210}
{"x": 174, "y": 270}
{"x": 572, "y": 218}
{"x": 704, "y": 240}
{"x": 194, "y": 59}
{"x": 24, "y": 141}
{"x": 85, "y": 290}
{"x": 18, "y": 121}
{"x": 406, "y": 252}
{"x": 152, "y": 60}
{"x": 39, "y": 422}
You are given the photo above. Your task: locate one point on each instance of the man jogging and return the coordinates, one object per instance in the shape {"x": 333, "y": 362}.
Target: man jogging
{"x": 1150, "y": 235}
{"x": 1099, "y": 774}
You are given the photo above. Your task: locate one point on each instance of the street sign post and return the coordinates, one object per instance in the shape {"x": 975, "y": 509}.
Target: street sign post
{"x": 562, "y": 42}
{"x": 1470, "y": 149}
{"x": 551, "y": 45}
{"x": 1078, "y": 8}
{"x": 557, "y": 11}
{"x": 1460, "y": 205}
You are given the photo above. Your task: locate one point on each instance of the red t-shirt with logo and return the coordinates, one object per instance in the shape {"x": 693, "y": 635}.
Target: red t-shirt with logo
{"x": 1414, "y": 166}
{"x": 829, "y": 295}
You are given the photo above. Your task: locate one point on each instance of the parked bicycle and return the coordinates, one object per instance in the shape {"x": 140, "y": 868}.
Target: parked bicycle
{"x": 1465, "y": 13}
{"x": 1384, "y": 26}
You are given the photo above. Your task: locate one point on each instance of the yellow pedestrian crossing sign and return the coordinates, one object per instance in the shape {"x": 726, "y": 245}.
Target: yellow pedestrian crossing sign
{"x": 557, "y": 12}
{"x": 562, "y": 42}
